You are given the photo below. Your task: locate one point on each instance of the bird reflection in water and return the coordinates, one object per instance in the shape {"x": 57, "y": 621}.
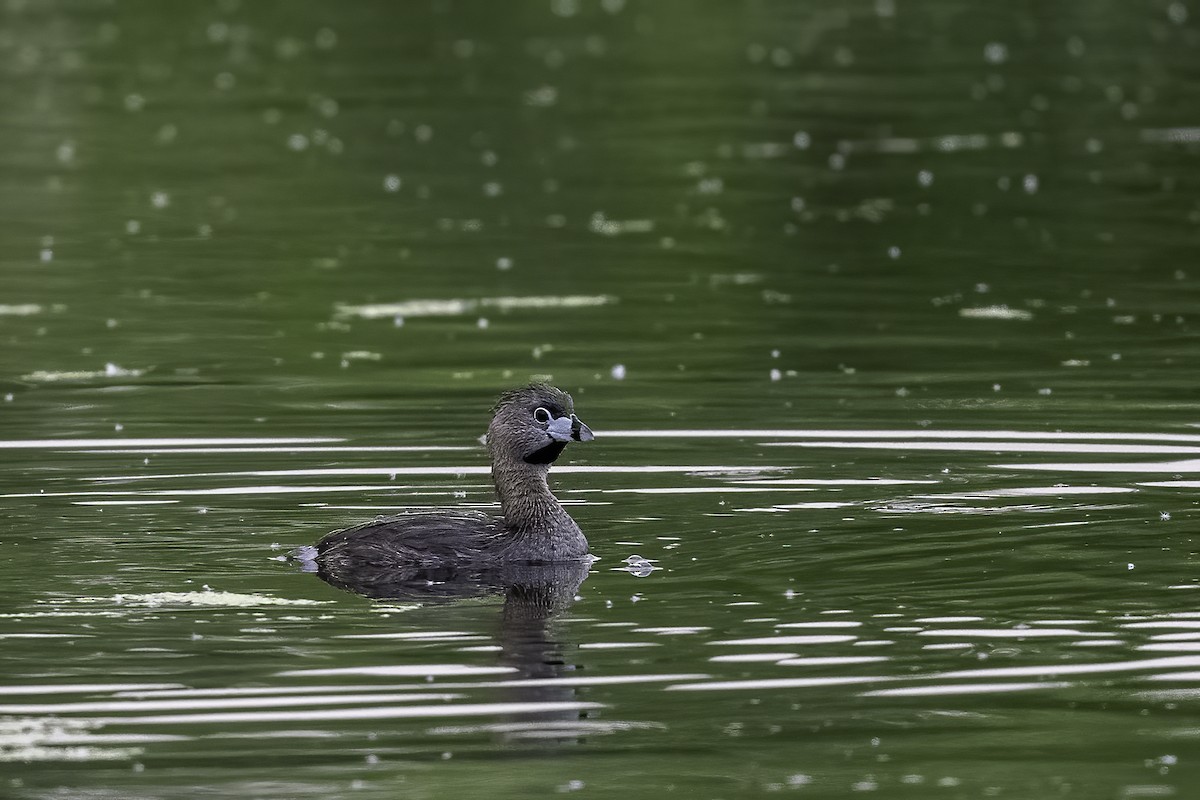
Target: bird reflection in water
{"x": 535, "y": 596}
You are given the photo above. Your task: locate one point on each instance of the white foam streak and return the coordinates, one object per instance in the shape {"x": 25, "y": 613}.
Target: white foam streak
{"x": 450, "y": 471}
{"x": 403, "y": 670}
{"x": 996, "y": 447}
{"x": 948, "y": 435}
{"x": 776, "y": 683}
{"x": 113, "y": 706}
{"x": 352, "y": 714}
{"x": 962, "y": 688}
{"x": 80, "y": 688}
{"x": 35, "y": 444}
{"x": 786, "y": 640}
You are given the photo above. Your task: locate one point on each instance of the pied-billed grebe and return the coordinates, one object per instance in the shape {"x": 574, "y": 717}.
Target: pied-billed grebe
{"x": 530, "y": 428}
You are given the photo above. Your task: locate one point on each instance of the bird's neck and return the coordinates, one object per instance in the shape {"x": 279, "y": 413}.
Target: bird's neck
{"x": 528, "y": 505}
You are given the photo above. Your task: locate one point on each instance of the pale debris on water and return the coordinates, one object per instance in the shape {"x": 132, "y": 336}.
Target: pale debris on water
{"x": 455, "y": 306}
{"x": 19, "y": 309}
{"x": 996, "y": 312}
{"x": 110, "y": 371}
{"x": 206, "y": 598}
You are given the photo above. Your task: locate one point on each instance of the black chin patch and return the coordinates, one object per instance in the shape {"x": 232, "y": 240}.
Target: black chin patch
{"x": 547, "y": 454}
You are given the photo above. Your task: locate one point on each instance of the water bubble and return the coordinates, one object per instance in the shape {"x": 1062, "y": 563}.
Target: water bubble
{"x": 391, "y": 183}
{"x": 564, "y": 8}
{"x": 541, "y": 97}
{"x": 65, "y": 152}
{"x": 133, "y": 227}
{"x": 1030, "y": 184}
{"x": 326, "y": 106}
{"x": 493, "y": 189}
{"x": 639, "y": 567}
{"x": 995, "y": 53}
{"x": 481, "y": 323}
{"x": 504, "y": 262}
{"x": 326, "y": 39}
{"x": 160, "y": 200}
{"x": 463, "y": 48}
{"x": 297, "y": 142}
{"x": 225, "y": 81}
{"x": 618, "y": 372}
{"x": 893, "y": 252}
{"x": 612, "y": 6}
{"x": 776, "y": 375}
{"x": 925, "y": 178}
{"x": 423, "y": 133}
{"x": 1177, "y": 13}
{"x": 217, "y": 32}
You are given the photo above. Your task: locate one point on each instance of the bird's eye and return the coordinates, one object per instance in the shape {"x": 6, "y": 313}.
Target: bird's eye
{"x": 541, "y": 415}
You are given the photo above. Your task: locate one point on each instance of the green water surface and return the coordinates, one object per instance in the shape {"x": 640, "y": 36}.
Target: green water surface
{"x": 884, "y": 314}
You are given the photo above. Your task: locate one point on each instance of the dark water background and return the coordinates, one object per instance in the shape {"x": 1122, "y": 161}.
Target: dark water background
{"x": 884, "y": 314}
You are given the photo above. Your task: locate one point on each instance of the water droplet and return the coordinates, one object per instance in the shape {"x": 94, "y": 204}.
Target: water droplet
{"x": 391, "y": 183}
{"x": 618, "y": 372}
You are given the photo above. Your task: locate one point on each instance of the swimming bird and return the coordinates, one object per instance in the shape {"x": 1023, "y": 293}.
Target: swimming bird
{"x": 530, "y": 428}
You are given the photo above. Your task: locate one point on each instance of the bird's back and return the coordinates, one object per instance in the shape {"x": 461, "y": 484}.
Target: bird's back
{"x": 444, "y": 537}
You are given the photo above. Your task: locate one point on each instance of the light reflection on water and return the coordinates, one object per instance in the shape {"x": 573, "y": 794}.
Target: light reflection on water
{"x": 792, "y": 653}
